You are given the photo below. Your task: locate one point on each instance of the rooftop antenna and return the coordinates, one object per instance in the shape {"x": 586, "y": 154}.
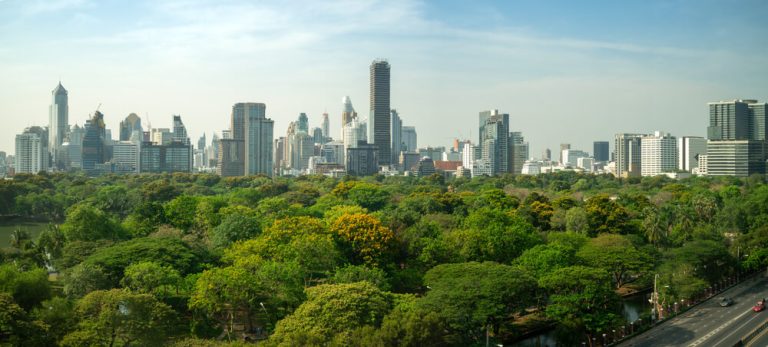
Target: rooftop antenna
{"x": 98, "y": 107}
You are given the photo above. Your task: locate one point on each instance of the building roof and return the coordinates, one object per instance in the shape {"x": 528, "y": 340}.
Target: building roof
{"x": 446, "y": 165}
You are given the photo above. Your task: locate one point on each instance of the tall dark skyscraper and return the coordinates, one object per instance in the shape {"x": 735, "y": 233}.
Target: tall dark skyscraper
{"x": 93, "y": 144}
{"x": 379, "y": 122}
{"x": 600, "y": 150}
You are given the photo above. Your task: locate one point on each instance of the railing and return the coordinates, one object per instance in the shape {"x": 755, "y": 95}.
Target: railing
{"x": 746, "y": 340}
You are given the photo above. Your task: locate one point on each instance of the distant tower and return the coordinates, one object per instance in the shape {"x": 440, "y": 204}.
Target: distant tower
{"x": 58, "y": 123}
{"x": 347, "y": 115}
{"x": 600, "y": 151}
{"x": 379, "y": 119}
{"x": 128, "y": 126}
{"x": 93, "y": 144}
{"x": 326, "y": 126}
{"x": 257, "y": 138}
{"x": 397, "y": 136}
{"x": 303, "y": 123}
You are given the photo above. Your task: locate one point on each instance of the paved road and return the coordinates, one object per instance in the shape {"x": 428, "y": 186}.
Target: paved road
{"x": 708, "y": 324}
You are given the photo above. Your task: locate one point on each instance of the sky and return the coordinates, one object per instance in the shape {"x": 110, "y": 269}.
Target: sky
{"x": 566, "y": 71}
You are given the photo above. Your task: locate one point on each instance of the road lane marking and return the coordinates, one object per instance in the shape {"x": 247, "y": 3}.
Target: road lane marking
{"x": 734, "y": 330}
{"x": 717, "y": 330}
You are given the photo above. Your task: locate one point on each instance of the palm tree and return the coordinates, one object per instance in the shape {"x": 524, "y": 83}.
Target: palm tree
{"x": 19, "y": 238}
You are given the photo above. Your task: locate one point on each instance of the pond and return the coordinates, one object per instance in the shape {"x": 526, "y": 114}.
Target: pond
{"x": 6, "y": 228}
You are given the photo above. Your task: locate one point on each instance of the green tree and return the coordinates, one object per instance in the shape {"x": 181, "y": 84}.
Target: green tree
{"x": 605, "y": 216}
{"x": 492, "y": 235}
{"x": 477, "y": 297}
{"x": 83, "y": 279}
{"x": 28, "y": 288}
{"x": 581, "y": 300}
{"x": 363, "y": 238}
{"x": 87, "y": 223}
{"x": 543, "y": 259}
{"x": 618, "y": 256}
{"x": 577, "y": 220}
{"x": 180, "y": 212}
{"x": 120, "y": 317}
{"x": 357, "y": 273}
{"x": 330, "y": 310}
{"x": 16, "y": 328}
{"x": 235, "y": 227}
{"x": 150, "y": 278}
{"x": 59, "y": 315}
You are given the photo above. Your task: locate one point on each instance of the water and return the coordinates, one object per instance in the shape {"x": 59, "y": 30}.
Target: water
{"x": 633, "y": 308}
{"x": 6, "y": 228}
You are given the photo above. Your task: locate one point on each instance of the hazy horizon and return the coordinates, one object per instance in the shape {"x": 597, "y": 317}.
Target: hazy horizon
{"x": 565, "y": 71}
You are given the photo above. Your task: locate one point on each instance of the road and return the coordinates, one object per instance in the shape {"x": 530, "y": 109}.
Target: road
{"x": 708, "y": 324}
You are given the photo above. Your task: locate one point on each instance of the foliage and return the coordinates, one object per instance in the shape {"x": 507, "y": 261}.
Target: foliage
{"x": 87, "y": 223}
{"x": 363, "y": 238}
{"x": 28, "y": 288}
{"x": 617, "y": 255}
{"x": 121, "y": 317}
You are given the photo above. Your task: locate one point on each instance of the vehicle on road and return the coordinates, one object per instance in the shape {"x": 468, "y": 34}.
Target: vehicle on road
{"x": 759, "y": 306}
{"x": 725, "y": 301}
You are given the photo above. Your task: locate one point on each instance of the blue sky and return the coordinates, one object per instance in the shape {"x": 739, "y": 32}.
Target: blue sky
{"x": 566, "y": 71}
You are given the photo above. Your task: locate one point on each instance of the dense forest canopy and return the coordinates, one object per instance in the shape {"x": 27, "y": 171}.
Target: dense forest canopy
{"x": 200, "y": 260}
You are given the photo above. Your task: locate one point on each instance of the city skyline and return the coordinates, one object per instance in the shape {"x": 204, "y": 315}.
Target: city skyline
{"x": 568, "y": 81}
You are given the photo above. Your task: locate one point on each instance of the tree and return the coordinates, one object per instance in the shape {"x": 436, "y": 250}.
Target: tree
{"x": 581, "y": 300}
{"x": 330, "y": 310}
{"x": 492, "y": 235}
{"x": 150, "y": 278}
{"x": 363, "y": 238}
{"x": 357, "y": 273}
{"x": 59, "y": 315}
{"x": 83, "y": 279}
{"x": 368, "y": 196}
{"x": 235, "y": 227}
{"x": 577, "y": 220}
{"x": 28, "y": 288}
{"x": 16, "y": 329}
{"x": 87, "y": 223}
{"x": 180, "y": 212}
{"x": 618, "y": 256}
{"x": 605, "y": 216}
{"x": 475, "y": 297}
{"x": 543, "y": 259}
{"x": 109, "y": 317}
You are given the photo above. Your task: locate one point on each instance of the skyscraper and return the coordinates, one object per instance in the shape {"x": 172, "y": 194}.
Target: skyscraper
{"x": 354, "y": 132}
{"x": 518, "y": 152}
{"x": 128, "y": 126}
{"x": 758, "y": 124}
{"x": 658, "y": 154}
{"x": 257, "y": 136}
{"x": 303, "y": 123}
{"x": 180, "y": 131}
{"x": 326, "y": 126}
{"x": 600, "y": 151}
{"x": 728, "y": 120}
{"x": 689, "y": 148}
{"x": 628, "y": 155}
{"x": 397, "y": 136}
{"x": 348, "y": 113}
{"x": 58, "y": 123}
{"x": 563, "y": 146}
{"x": 494, "y": 141}
{"x": 379, "y": 122}
{"x": 410, "y": 141}
{"x": 94, "y": 151}
{"x": 29, "y": 153}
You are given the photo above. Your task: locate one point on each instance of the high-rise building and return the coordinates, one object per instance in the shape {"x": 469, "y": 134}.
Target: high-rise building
{"x": 333, "y": 152}
{"x": 601, "y": 151}
{"x": 213, "y": 152}
{"x": 397, "y": 136}
{"x": 689, "y": 148}
{"x": 180, "y": 131}
{"x": 758, "y": 124}
{"x": 258, "y": 139}
{"x": 658, "y": 154}
{"x": 347, "y": 115}
{"x": 317, "y": 136}
{"x": 230, "y": 161}
{"x": 362, "y": 159}
{"x": 58, "y": 124}
{"x": 571, "y": 156}
{"x": 201, "y": 155}
{"x": 125, "y": 157}
{"x": 728, "y": 120}
{"x": 94, "y": 149}
{"x": 29, "y": 153}
{"x": 409, "y": 139}
{"x": 128, "y": 126}
{"x": 354, "y": 132}
{"x": 494, "y": 141}
{"x": 563, "y": 146}
{"x": 379, "y": 122}
{"x": 326, "y": 126}
{"x": 518, "y": 152}
{"x": 468, "y": 155}
{"x": 739, "y": 158}
{"x": 628, "y": 155}
{"x": 303, "y": 122}
{"x": 73, "y": 147}
{"x": 546, "y": 155}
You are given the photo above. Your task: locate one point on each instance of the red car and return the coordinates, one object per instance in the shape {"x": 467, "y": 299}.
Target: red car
{"x": 759, "y": 306}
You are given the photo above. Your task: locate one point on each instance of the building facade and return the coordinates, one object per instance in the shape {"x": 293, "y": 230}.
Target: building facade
{"x": 689, "y": 148}
{"x": 601, "y": 151}
{"x": 379, "y": 119}
{"x": 362, "y": 160}
{"x": 494, "y": 141}
{"x": 58, "y": 125}
{"x": 658, "y": 154}
{"x": 627, "y": 154}
{"x": 29, "y": 153}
